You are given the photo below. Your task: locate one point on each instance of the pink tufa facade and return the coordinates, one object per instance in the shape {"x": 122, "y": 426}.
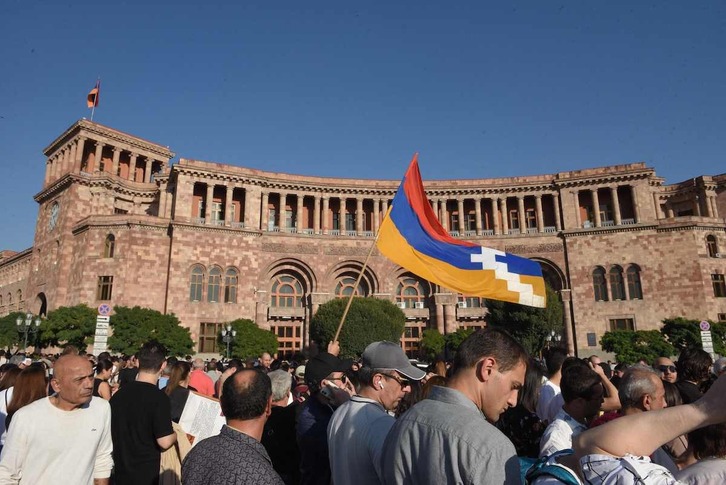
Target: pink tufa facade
{"x": 119, "y": 224}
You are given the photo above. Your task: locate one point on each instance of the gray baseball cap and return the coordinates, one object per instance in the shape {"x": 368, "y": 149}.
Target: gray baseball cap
{"x": 387, "y": 355}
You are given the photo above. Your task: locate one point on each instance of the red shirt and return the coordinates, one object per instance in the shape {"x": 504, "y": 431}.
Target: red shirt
{"x": 200, "y": 381}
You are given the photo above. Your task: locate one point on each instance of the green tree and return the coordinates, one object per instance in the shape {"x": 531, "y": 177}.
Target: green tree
{"x": 69, "y": 325}
{"x": 368, "y": 320}
{"x": 529, "y": 325}
{"x": 250, "y": 341}
{"x": 682, "y": 333}
{"x": 432, "y": 344}
{"x": 631, "y": 346}
{"x": 9, "y": 329}
{"x": 133, "y": 327}
{"x": 453, "y": 340}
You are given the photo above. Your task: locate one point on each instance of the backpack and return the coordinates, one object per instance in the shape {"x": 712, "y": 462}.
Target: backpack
{"x": 548, "y": 466}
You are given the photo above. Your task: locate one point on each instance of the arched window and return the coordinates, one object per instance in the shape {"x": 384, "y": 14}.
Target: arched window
{"x": 196, "y": 282}
{"x": 230, "y": 286}
{"x": 215, "y": 279}
{"x": 711, "y": 246}
{"x": 287, "y": 292}
{"x": 617, "y": 287}
{"x": 1, "y": 300}
{"x": 109, "y": 246}
{"x": 10, "y": 299}
{"x": 599, "y": 284}
{"x": 346, "y": 284}
{"x": 410, "y": 293}
{"x": 20, "y": 296}
{"x": 635, "y": 291}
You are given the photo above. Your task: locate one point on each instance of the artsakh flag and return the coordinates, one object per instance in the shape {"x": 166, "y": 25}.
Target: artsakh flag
{"x": 92, "y": 100}
{"x": 412, "y": 237}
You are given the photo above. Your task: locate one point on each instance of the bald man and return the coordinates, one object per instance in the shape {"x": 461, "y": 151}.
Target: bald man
{"x": 65, "y": 436}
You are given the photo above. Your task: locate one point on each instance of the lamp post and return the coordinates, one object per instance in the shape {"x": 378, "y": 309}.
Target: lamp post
{"x": 228, "y": 336}
{"x": 25, "y": 326}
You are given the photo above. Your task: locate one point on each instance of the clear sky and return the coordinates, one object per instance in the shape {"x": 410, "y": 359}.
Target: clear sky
{"x": 354, "y": 88}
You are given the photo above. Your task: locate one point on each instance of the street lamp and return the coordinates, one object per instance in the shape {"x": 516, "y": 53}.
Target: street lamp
{"x": 25, "y": 326}
{"x": 228, "y": 336}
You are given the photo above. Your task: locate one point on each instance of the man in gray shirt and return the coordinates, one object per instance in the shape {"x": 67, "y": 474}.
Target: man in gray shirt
{"x": 449, "y": 438}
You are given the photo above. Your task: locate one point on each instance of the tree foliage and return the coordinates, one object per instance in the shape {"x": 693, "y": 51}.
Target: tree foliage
{"x": 251, "y": 341}
{"x": 368, "y": 320}
{"x": 133, "y": 327}
{"x": 631, "y": 346}
{"x": 529, "y": 325}
{"x": 684, "y": 333}
{"x": 453, "y": 340}
{"x": 9, "y": 329}
{"x": 432, "y": 344}
{"x": 69, "y": 325}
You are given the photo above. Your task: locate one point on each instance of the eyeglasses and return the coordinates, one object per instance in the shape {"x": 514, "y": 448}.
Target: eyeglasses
{"x": 669, "y": 368}
{"x": 401, "y": 381}
{"x": 343, "y": 378}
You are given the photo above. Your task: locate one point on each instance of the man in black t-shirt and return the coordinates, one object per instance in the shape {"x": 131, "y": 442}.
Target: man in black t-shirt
{"x": 141, "y": 422}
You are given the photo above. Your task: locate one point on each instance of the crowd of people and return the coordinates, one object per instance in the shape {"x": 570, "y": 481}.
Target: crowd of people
{"x": 493, "y": 415}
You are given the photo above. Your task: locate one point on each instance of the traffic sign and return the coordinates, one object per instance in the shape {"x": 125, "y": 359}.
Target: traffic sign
{"x": 705, "y": 326}
{"x": 104, "y": 309}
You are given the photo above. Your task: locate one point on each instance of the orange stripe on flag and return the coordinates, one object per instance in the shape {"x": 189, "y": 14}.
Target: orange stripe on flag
{"x": 92, "y": 100}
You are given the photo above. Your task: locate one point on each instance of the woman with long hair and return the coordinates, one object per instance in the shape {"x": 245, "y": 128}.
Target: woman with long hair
{"x": 101, "y": 387}
{"x": 30, "y": 386}
{"x": 178, "y": 388}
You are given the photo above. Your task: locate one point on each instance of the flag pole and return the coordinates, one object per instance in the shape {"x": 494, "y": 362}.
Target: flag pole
{"x": 360, "y": 276}
{"x": 95, "y": 101}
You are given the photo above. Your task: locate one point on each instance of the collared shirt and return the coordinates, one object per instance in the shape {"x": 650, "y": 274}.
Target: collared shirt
{"x": 628, "y": 470}
{"x": 548, "y": 392}
{"x": 231, "y": 457}
{"x": 356, "y": 434}
{"x": 707, "y": 471}
{"x": 446, "y": 439}
{"x": 200, "y": 381}
{"x": 558, "y": 435}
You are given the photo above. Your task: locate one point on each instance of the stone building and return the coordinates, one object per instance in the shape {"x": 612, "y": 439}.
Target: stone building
{"x": 119, "y": 224}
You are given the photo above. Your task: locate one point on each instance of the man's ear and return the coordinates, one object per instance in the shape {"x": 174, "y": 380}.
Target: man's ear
{"x": 646, "y": 402}
{"x": 485, "y": 368}
{"x": 55, "y": 384}
{"x": 268, "y": 408}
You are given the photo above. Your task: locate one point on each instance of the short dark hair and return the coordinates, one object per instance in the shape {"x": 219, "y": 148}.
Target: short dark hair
{"x": 708, "y": 441}
{"x": 578, "y": 381}
{"x": 245, "y": 394}
{"x": 693, "y": 365}
{"x": 151, "y": 356}
{"x": 554, "y": 359}
{"x": 529, "y": 394}
{"x": 490, "y": 342}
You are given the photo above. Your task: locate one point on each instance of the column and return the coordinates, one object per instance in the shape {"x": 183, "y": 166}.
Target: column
{"x": 596, "y": 207}
{"x": 522, "y": 220}
{"x": 477, "y": 215}
{"x": 359, "y": 216}
{"x": 376, "y": 215}
{"x": 616, "y": 205}
{"x": 669, "y": 209}
{"x": 567, "y": 320}
{"x": 714, "y": 206}
{"x": 540, "y": 217}
{"x": 495, "y": 216}
{"x": 656, "y": 206}
{"x": 228, "y": 205}
{"x": 450, "y": 324}
{"x": 707, "y": 203}
{"x": 442, "y": 217}
{"x": 697, "y": 205}
{"x": 636, "y": 213}
{"x": 282, "y": 211}
{"x": 556, "y": 203}
{"x": 316, "y": 215}
{"x": 99, "y": 152}
{"x": 578, "y": 219}
{"x": 300, "y": 224}
{"x": 208, "y": 204}
{"x": 132, "y": 167}
{"x": 324, "y": 215}
{"x": 116, "y": 155}
{"x": 147, "y": 170}
{"x": 55, "y": 161}
{"x": 71, "y": 159}
{"x": 503, "y": 210}
{"x": 265, "y": 214}
{"x": 460, "y": 209}
{"x": 81, "y": 145}
{"x": 440, "y": 326}
{"x": 342, "y": 227}
{"x": 385, "y": 206}
{"x": 48, "y": 168}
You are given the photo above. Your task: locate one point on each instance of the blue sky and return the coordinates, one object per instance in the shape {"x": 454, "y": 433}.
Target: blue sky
{"x": 353, "y": 89}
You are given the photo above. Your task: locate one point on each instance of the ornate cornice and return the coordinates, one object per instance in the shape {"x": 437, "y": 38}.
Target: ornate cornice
{"x": 99, "y": 179}
{"x": 188, "y": 226}
{"x": 608, "y": 230}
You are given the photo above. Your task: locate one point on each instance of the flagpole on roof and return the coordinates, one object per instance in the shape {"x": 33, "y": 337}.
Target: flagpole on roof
{"x": 357, "y": 282}
{"x": 95, "y": 101}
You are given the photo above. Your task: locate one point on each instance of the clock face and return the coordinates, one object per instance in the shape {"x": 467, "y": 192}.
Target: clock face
{"x": 53, "y": 219}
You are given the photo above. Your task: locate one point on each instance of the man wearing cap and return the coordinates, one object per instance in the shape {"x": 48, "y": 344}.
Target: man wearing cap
{"x": 329, "y": 388}
{"x": 359, "y": 427}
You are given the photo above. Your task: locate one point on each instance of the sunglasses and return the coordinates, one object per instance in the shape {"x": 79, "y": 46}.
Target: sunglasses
{"x": 343, "y": 379}
{"x": 401, "y": 381}
{"x": 669, "y": 368}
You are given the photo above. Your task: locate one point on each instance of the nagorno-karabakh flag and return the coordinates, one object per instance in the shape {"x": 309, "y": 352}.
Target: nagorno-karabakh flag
{"x": 412, "y": 237}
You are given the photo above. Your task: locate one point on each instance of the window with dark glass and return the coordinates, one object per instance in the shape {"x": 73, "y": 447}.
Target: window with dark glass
{"x": 409, "y": 293}
{"x": 599, "y": 284}
{"x": 719, "y": 285}
{"x": 711, "y": 246}
{"x": 346, "y": 286}
{"x": 109, "y": 246}
{"x": 230, "y": 286}
{"x": 215, "y": 279}
{"x": 287, "y": 292}
{"x": 196, "y": 282}
{"x": 104, "y": 289}
{"x": 208, "y": 333}
{"x": 617, "y": 288}
{"x": 622, "y": 324}
{"x": 635, "y": 291}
